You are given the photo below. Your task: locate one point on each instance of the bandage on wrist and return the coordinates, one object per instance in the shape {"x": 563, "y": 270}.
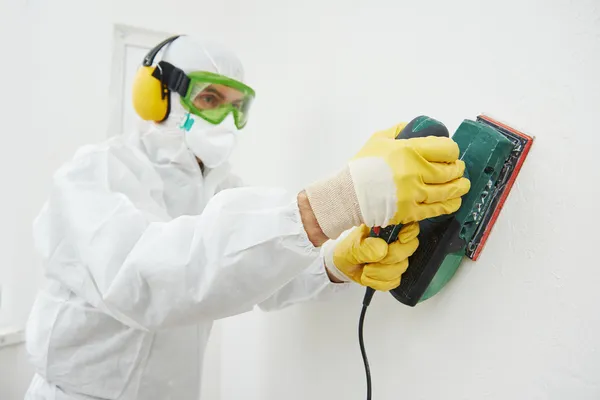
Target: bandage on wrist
{"x": 335, "y": 204}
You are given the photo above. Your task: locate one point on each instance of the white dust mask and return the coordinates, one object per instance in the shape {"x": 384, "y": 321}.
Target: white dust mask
{"x": 212, "y": 144}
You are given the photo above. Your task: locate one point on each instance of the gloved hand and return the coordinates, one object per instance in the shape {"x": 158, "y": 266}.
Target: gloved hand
{"x": 370, "y": 261}
{"x": 389, "y": 182}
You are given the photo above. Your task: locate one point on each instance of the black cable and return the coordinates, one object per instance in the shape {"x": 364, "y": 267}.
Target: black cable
{"x": 363, "y": 352}
{"x": 366, "y": 301}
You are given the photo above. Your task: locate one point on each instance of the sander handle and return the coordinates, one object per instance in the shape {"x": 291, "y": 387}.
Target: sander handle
{"x": 421, "y": 126}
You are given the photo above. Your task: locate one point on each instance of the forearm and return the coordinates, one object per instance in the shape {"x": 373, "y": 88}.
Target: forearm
{"x": 245, "y": 246}
{"x": 313, "y": 284}
{"x": 209, "y": 277}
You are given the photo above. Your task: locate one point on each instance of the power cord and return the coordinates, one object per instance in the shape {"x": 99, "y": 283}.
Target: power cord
{"x": 389, "y": 234}
{"x": 366, "y": 301}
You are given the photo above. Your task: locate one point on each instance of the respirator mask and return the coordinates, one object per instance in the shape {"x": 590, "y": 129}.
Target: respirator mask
{"x": 212, "y": 144}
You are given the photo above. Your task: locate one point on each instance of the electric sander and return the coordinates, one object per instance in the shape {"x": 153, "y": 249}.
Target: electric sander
{"x": 493, "y": 154}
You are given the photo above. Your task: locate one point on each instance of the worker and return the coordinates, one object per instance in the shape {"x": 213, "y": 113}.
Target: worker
{"x": 148, "y": 238}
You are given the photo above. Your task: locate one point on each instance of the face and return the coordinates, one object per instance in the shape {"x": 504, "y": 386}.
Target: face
{"x": 215, "y": 96}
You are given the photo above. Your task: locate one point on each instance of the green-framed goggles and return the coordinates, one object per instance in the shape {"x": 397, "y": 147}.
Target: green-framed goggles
{"x": 208, "y": 95}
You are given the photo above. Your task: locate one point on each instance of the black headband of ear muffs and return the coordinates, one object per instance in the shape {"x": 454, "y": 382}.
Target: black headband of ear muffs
{"x": 171, "y": 77}
{"x": 149, "y": 59}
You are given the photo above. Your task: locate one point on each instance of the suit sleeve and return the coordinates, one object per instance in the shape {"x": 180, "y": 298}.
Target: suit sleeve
{"x": 311, "y": 284}
{"x": 106, "y": 235}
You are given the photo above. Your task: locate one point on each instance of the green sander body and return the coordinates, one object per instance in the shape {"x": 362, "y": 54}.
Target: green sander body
{"x": 493, "y": 154}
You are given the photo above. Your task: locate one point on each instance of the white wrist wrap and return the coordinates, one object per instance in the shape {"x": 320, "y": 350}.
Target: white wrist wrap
{"x": 375, "y": 190}
{"x": 335, "y": 204}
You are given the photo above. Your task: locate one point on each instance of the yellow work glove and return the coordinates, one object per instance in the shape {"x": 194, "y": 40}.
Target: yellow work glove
{"x": 391, "y": 181}
{"x": 370, "y": 261}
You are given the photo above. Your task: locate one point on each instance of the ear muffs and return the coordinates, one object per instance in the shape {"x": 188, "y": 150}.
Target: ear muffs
{"x": 150, "y": 101}
{"x": 151, "y": 94}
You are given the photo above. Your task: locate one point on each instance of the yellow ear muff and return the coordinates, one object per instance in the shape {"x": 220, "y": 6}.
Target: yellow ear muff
{"x": 148, "y": 101}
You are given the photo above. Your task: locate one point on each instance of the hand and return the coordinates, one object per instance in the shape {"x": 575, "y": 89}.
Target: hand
{"x": 370, "y": 261}
{"x": 400, "y": 181}
{"x": 391, "y": 181}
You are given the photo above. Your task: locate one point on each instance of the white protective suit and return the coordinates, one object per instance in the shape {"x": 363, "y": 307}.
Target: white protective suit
{"x": 143, "y": 252}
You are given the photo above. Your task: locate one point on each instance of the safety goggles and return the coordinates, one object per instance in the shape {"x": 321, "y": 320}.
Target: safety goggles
{"x": 212, "y": 97}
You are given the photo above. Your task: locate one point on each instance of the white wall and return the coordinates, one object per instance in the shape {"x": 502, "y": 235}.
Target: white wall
{"x": 521, "y": 323}
{"x": 20, "y": 194}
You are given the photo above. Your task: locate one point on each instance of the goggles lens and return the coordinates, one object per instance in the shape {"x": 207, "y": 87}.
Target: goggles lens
{"x": 212, "y": 97}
